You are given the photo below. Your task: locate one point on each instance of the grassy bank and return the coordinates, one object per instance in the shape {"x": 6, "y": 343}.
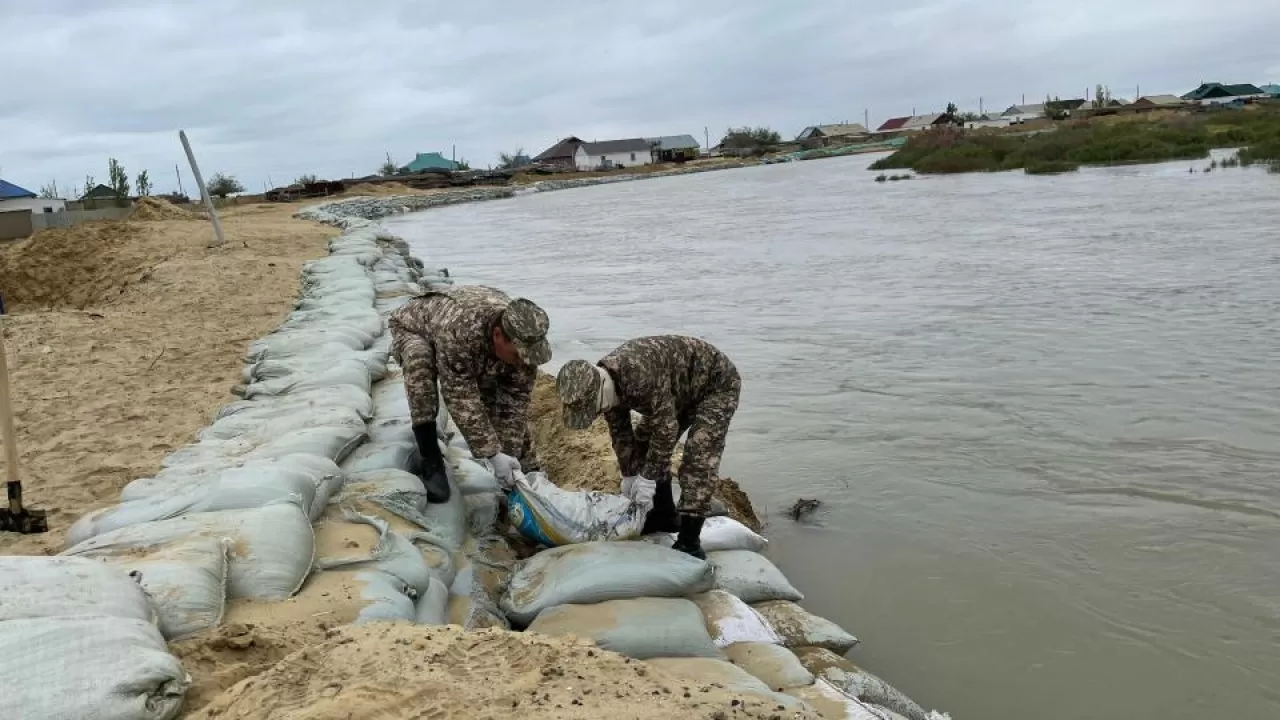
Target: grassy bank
{"x": 1071, "y": 144}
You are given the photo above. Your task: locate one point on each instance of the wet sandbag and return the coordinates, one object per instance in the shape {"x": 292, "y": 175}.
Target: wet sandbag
{"x": 186, "y": 581}
{"x": 776, "y": 666}
{"x": 343, "y": 372}
{"x": 331, "y": 442}
{"x": 229, "y": 491}
{"x": 382, "y": 456}
{"x": 545, "y": 514}
{"x": 272, "y": 546}
{"x": 389, "y": 400}
{"x": 484, "y": 514}
{"x": 363, "y": 318}
{"x": 470, "y": 476}
{"x": 641, "y": 628}
{"x": 599, "y": 571}
{"x": 270, "y": 422}
{"x": 433, "y": 605}
{"x": 272, "y": 368}
{"x": 705, "y": 671}
{"x": 345, "y": 396}
{"x": 394, "y": 554}
{"x": 799, "y": 628}
{"x": 105, "y": 668}
{"x": 833, "y": 704}
{"x": 392, "y": 430}
{"x": 322, "y": 472}
{"x": 729, "y": 620}
{"x": 300, "y": 341}
{"x": 719, "y": 532}
{"x": 751, "y": 577}
{"x": 853, "y": 680}
{"x": 33, "y": 587}
{"x": 381, "y": 597}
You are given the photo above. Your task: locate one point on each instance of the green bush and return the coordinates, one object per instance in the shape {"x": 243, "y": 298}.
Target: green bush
{"x": 1050, "y": 167}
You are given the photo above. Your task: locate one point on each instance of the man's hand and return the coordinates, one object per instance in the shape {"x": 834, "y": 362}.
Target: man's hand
{"x": 504, "y": 467}
{"x": 640, "y": 489}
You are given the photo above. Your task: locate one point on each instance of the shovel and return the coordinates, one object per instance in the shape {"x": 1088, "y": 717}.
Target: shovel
{"x": 14, "y": 518}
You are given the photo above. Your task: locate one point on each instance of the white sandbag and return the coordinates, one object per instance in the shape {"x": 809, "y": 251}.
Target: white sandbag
{"x": 775, "y": 665}
{"x": 186, "y": 581}
{"x": 389, "y": 304}
{"x": 392, "y": 430}
{"x": 470, "y": 476}
{"x": 705, "y": 671}
{"x": 445, "y": 524}
{"x": 389, "y": 400}
{"x": 544, "y": 513}
{"x": 433, "y": 605}
{"x": 105, "y": 668}
{"x": 387, "y": 482}
{"x": 382, "y": 456}
{"x": 729, "y": 620}
{"x": 322, "y": 472}
{"x": 394, "y": 555}
{"x": 383, "y": 597}
{"x": 641, "y": 628}
{"x": 800, "y": 628}
{"x": 751, "y": 577}
{"x": 272, "y": 546}
{"x": 229, "y": 491}
{"x": 270, "y": 422}
{"x": 272, "y": 368}
{"x": 344, "y": 372}
{"x": 718, "y": 533}
{"x": 365, "y": 319}
{"x": 345, "y": 396}
{"x": 296, "y": 341}
{"x": 484, "y": 514}
{"x": 32, "y": 587}
{"x": 835, "y": 705}
{"x": 853, "y": 680}
{"x": 333, "y": 443}
{"x": 599, "y": 571}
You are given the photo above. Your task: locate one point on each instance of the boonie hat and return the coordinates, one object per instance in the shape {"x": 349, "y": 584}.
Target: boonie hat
{"x": 578, "y": 384}
{"x": 525, "y": 324}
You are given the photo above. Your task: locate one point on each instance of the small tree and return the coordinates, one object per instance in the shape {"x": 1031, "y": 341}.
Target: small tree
{"x": 221, "y": 186}
{"x": 749, "y": 138}
{"x": 119, "y": 180}
{"x": 49, "y": 191}
{"x": 1053, "y": 109}
{"x": 89, "y": 184}
{"x": 952, "y": 115}
{"x": 463, "y": 164}
{"x": 388, "y": 167}
{"x": 304, "y": 179}
{"x": 144, "y": 184}
{"x": 508, "y": 161}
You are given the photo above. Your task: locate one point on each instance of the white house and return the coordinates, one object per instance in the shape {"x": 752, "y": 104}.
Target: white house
{"x": 1023, "y": 113}
{"x": 989, "y": 120}
{"x": 631, "y": 152}
{"x": 13, "y": 198}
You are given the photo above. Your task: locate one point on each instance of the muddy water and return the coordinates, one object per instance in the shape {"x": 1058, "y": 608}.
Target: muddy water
{"x": 1042, "y": 413}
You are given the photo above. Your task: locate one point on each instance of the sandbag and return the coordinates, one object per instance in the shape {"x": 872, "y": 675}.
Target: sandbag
{"x": 598, "y": 571}
{"x": 270, "y": 367}
{"x": 389, "y": 400}
{"x": 383, "y": 456}
{"x": 799, "y": 628}
{"x": 470, "y": 476}
{"x": 272, "y": 546}
{"x": 186, "y": 581}
{"x": 270, "y": 422}
{"x": 718, "y": 533}
{"x": 847, "y": 677}
{"x": 363, "y": 318}
{"x": 385, "y": 598}
{"x": 394, "y": 555}
{"x": 346, "y": 396}
{"x": 706, "y": 671}
{"x": 775, "y": 665}
{"x": 433, "y": 605}
{"x": 751, "y": 577}
{"x": 729, "y": 620}
{"x": 641, "y": 628}
{"x": 302, "y": 340}
{"x": 545, "y": 514}
{"x": 342, "y": 372}
{"x": 484, "y": 514}
{"x": 105, "y": 668}
{"x": 392, "y": 430}
{"x": 33, "y": 587}
{"x": 833, "y": 704}
{"x": 229, "y": 491}
{"x": 322, "y": 472}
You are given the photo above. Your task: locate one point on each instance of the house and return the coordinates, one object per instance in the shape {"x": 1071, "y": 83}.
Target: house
{"x": 13, "y": 198}
{"x": 917, "y": 123}
{"x": 1023, "y": 113}
{"x": 893, "y": 125}
{"x": 988, "y": 120}
{"x": 630, "y": 152}
{"x": 674, "y": 148}
{"x": 842, "y": 130}
{"x": 99, "y": 192}
{"x": 429, "y": 162}
{"x": 1218, "y": 94}
{"x": 1272, "y": 91}
{"x": 1159, "y": 101}
{"x": 561, "y": 154}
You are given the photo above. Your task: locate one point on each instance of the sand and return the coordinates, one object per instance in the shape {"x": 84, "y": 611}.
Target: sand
{"x": 123, "y": 338}
{"x": 395, "y": 671}
{"x": 149, "y": 208}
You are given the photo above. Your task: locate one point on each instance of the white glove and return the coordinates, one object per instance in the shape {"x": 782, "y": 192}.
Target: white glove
{"x": 640, "y": 489}
{"x": 504, "y": 467}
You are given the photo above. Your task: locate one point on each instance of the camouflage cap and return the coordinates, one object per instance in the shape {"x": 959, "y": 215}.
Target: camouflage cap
{"x": 525, "y": 324}
{"x": 578, "y": 384}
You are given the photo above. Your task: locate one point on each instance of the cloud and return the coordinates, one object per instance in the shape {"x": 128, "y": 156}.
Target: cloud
{"x": 269, "y": 91}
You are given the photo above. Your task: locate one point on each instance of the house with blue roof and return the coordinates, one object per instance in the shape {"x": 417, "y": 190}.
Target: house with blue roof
{"x": 14, "y": 197}
{"x": 430, "y": 162}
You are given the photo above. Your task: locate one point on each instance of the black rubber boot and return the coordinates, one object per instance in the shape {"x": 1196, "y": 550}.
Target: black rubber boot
{"x": 662, "y": 518}
{"x": 433, "y": 475}
{"x": 688, "y": 541}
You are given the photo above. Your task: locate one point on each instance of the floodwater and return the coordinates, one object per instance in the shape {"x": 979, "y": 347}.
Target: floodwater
{"x": 1042, "y": 413}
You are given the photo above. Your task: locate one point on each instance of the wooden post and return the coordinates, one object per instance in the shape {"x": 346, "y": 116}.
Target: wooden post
{"x": 204, "y": 191}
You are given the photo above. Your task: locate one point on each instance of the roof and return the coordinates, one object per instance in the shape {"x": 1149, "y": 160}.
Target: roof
{"x": 893, "y": 124}
{"x": 616, "y": 146}
{"x": 674, "y": 142}
{"x": 1270, "y": 89}
{"x": 430, "y": 161}
{"x": 99, "y": 191}
{"x": 9, "y": 191}
{"x": 1160, "y": 99}
{"x": 1071, "y": 103}
{"x": 840, "y": 129}
{"x": 1037, "y": 109}
{"x": 1214, "y": 89}
{"x": 921, "y": 121}
{"x": 563, "y": 149}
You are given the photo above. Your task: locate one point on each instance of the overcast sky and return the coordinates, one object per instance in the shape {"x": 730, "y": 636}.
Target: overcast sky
{"x": 270, "y": 90}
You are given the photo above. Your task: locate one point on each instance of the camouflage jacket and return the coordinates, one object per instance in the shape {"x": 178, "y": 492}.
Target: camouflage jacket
{"x": 445, "y": 334}
{"x": 664, "y": 378}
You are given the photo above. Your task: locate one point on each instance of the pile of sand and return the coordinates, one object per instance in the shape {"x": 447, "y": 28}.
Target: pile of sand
{"x": 584, "y": 460}
{"x": 149, "y": 208}
{"x": 387, "y": 188}
{"x": 409, "y": 671}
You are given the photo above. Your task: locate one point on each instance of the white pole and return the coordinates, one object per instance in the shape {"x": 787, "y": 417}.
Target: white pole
{"x": 204, "y": 191}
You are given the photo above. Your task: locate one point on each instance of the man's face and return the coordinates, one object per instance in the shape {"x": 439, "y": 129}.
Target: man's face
{"x": 504, "y": 348}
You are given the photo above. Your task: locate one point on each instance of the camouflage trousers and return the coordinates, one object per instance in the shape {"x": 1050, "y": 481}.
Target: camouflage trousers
{"x": 708, "y": 427}
{"x": 423, "y": 390}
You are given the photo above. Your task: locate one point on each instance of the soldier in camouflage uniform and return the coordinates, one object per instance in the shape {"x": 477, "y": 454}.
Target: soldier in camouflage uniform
{"x": 483, "y": 348}
{"x": 677, "y": 384}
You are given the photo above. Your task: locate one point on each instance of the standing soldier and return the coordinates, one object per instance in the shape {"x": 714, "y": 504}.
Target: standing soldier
{"x": 677, "y": 383}
{"x": 483, "y": 348}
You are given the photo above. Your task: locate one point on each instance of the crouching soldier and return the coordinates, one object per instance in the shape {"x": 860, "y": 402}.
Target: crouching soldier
{"x": 483, "y": 348}
{"x": 678, "y": 384}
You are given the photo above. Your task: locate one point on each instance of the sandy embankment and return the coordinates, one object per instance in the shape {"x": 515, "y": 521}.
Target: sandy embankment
{"x": 125, "y": 337}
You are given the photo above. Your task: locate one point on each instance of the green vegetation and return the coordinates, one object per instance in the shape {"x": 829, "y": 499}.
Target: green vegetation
{"x": 1075, "y": 143}
{"x": 221, "y": 186}
{"x": 756, "y": 141}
